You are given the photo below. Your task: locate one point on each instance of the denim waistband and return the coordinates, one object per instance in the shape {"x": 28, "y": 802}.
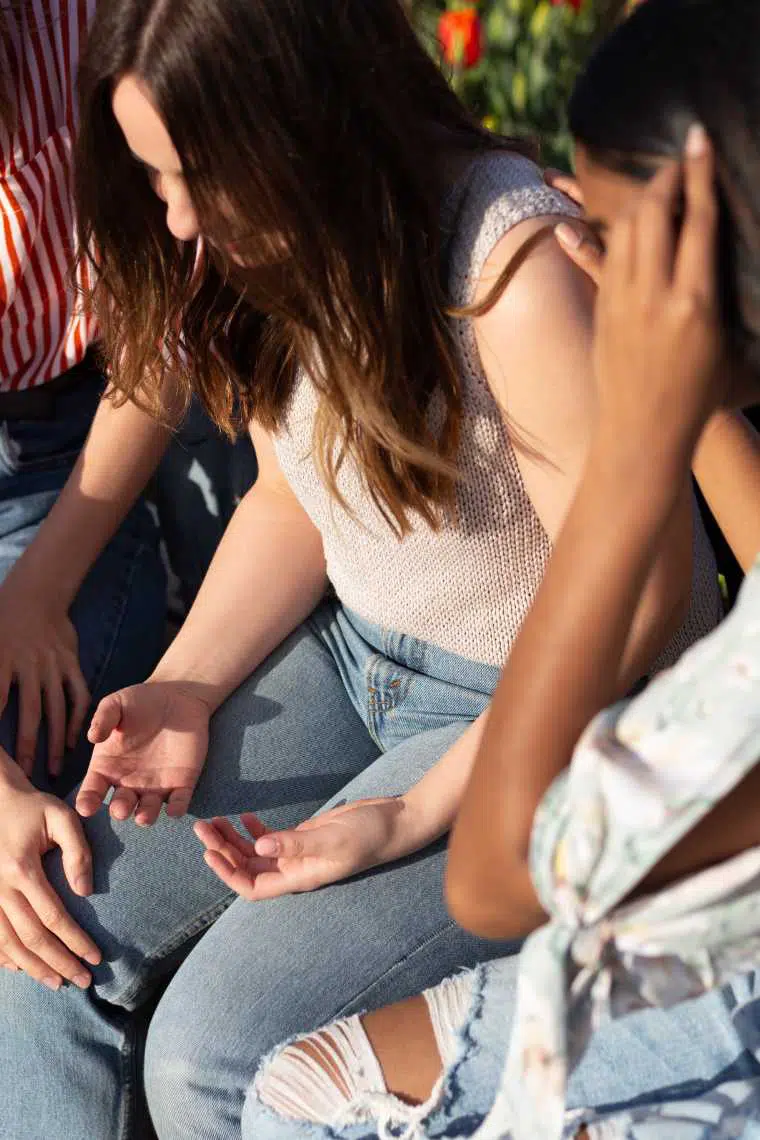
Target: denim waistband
{"x": 41, "y": 403}
{"x": 424, "y": 657}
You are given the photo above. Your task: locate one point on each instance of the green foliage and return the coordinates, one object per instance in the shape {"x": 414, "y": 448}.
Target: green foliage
{"x": 533, "y": 52}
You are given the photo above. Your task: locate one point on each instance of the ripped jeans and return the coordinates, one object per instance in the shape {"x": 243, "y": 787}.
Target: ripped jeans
{"x": 642, "y": 1078}
{"x": 608, "y": 986}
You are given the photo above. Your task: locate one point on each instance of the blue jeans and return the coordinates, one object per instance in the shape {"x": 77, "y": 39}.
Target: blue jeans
{"x": 340, "y": 711}
{"x": 657, "y": 1075}
{"x": 119, "y": 612}
{"x": 198, "y": 484}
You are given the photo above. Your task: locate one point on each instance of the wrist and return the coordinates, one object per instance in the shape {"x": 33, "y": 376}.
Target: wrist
{"x": 191, "y": 685}
{"x": 635, "y": 480}
{"x": 31, "y": 578}
{"x": 411, "y": 830}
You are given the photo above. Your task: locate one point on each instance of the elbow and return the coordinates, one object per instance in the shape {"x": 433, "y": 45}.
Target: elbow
{"x": 501, "y": 909}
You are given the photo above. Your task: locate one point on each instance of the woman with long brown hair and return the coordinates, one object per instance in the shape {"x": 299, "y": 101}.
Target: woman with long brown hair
{"x": 284, "y": 202}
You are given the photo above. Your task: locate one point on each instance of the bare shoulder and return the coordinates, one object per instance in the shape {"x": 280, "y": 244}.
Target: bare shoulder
{"x": 538, "y": 261}
{"x": 542, "y": 322}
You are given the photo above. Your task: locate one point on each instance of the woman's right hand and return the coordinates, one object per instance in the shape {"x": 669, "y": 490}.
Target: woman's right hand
{"x": 40, "y": 654}
{"x": 36, "y": 933}
{"x": 150, "y": 747}
{"x": 576, "y": 239}
{"x": 658, "y": 351}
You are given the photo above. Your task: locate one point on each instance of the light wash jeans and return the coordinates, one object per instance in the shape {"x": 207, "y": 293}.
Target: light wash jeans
{"x": 340, "y": 711}
{"x": 704, "y": 1053}
{"x": 120, "y": 611}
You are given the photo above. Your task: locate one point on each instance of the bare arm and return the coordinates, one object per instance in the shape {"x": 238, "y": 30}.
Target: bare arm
{"x": 659, "y": 323}
{"x": 123, "y": 449}
{"x": 562, "y": 670}
{"x": 38, "y": 643}
{"x": 267, "y": 576}
{"x": 727, "y": 467}
{"x": 536, "y": 348}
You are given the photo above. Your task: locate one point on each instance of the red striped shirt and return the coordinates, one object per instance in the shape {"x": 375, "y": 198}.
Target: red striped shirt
{"x": 43, "y": 331}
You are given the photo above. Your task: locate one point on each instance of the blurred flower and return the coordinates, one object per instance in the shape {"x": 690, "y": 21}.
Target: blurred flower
{"x": 460, "y": 34}
{"x": 576, "y": 4}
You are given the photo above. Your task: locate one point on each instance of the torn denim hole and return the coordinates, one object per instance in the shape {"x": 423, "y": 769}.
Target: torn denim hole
{"x": 337, "y": 1080}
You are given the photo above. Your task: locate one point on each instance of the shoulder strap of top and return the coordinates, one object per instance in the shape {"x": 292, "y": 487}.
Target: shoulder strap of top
{"x": 498, "y": 191}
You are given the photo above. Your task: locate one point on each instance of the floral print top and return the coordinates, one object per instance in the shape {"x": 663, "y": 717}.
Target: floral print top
{"x": 642, "y": 776}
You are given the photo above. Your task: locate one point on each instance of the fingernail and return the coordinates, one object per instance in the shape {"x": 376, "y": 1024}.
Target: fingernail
{"x": 52, "y": 983}
{"x": 94, "y": 957}
{"x": 696, "y": 141}
{"x": 267, "y": 846}
{"x": 82, "y": 980}
{"x": 568, "y": 235}
{"x": 83, "y": 885}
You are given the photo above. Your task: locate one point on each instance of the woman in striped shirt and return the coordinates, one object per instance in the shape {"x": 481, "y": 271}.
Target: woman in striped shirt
{"x": 82, "y": 599}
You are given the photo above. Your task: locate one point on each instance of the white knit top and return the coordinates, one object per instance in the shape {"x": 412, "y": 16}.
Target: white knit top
{"x": 467, "y": 587}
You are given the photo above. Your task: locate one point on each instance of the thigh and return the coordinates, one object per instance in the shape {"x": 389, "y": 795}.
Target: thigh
{"x": 281, "y": 745}
{"x": 269, "y": 970}
{"x": 684, "y": 1073}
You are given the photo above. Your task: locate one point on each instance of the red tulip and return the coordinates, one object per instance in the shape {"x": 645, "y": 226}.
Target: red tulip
{"x": 460, "y": 34}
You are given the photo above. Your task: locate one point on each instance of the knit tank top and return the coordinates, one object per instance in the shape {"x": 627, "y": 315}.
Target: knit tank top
{"x": 467, "y": 587}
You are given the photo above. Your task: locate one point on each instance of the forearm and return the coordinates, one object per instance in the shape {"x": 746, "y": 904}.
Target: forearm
{"x": 565, "y": 667}
{"x": 665, "y": 598}
{"x": 121, "y": 453}
{"x": 429, "y": 808}
{"x": 267, "y": 576}
{"x": 727, "y": 468}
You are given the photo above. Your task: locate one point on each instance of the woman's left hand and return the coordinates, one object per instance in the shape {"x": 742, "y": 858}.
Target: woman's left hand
{"x": 330, "y": 847}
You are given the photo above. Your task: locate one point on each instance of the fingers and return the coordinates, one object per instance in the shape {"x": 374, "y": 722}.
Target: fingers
{"x": 253, "y": 826}
{"x": 92, "y": 792}
{"x": 29, "y": 714}
{"x": 61, "y": 933}
{"x": 565, "y": 183}
{"x": 107, "y": 717}
{"x": 220, "y": 834}
{"x": 580, "y": 246}
{"x": 55, "y": 714}
{"x": 694, "y": 270}
{"x": 148, "y": 809}
{"x": 216, "y": 844}
{"x": 13, "y": 951}
{"x": 178, "y": 802}
{"x": 298, "y": 844}
{"x": 123, "y": 803}
{"x": 30, "y": 946}
{"x": 234, "y": 877}
{"x": 656, "y": 230}
{"x": 619, "y": 261}
{"x": 79, "y": 697}
{"x": 65, "y": 830}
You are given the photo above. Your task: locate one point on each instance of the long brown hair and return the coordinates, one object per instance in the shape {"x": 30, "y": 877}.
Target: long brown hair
{"x": 316, "y": 122}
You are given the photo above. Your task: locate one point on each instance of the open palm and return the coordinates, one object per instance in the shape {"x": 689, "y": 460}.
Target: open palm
{"x": 150, "y": 743}
{"x": 325, "y": 849}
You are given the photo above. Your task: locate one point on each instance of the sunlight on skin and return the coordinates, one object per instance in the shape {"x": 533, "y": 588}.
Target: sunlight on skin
{"x": 150, "y": 143}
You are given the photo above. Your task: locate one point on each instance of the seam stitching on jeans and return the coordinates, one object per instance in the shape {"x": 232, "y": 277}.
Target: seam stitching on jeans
{"x": 343, "y": 1011}
{"x": 206, "y": 919}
